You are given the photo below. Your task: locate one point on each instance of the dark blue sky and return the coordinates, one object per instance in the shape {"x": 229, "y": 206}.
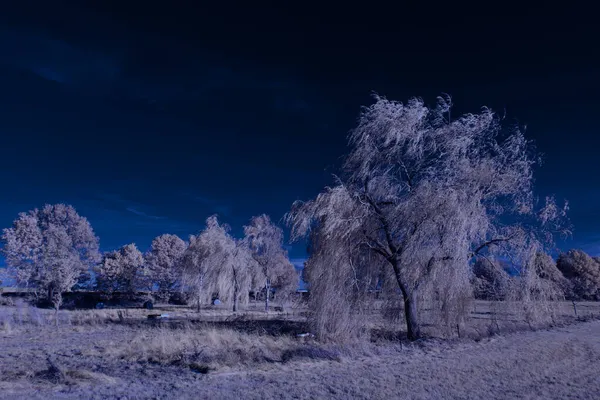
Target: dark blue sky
{"x": 149, "y": 118}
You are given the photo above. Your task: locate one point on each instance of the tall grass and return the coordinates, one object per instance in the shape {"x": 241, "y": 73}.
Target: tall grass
{"x": 210, "y": 348}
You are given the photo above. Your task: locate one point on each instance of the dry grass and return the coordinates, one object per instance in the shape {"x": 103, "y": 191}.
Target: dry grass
{"x": 100, "y": 357}
{"x": 207, "y": 349}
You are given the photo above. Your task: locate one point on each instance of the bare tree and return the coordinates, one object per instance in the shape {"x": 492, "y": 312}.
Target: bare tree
{"x": 164, "y": 262}
{"x": 121, "y": 270}
{"x": 583, "y": 272}
{"x": 50, "y": 249}
{"x": 275, "y": 270}
{"x": 426, "y": 194}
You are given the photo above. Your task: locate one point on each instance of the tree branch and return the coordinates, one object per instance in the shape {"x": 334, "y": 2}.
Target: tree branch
{"x": 490, "y": 243}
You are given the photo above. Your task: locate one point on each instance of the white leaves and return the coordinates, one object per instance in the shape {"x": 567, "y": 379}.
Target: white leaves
{"x": 265, "y": 241}
{"x": 216, "y": 263}
{"x": 50, "y": 247}
{"x": 121, "y": 270}
{"x": 422, "y": 191}
{"x": 164, "y": 261}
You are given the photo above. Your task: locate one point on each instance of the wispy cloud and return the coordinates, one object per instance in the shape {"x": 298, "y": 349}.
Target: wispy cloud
{"x": 143, "y": 214}
{"x": 57, "y": 60}
{"x": 116, "y": 201}
{"x": 214, "y": 205}
{"x": 108, "y": 72}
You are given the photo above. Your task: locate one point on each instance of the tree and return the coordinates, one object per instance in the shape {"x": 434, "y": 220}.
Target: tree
{"x": 552, "y": 277}
{"x": 196, "y": 266}
{"x": 164, "y": 262}
{"x": 50, "y": 249}
{"x": 275, "y": 270}
{"x": 583, "y": 272}
{"x": 121, "y": 270}
{"x": 426, "y": 194}
{"x": 490, "y": 280}
{"x": 216, "y": 263}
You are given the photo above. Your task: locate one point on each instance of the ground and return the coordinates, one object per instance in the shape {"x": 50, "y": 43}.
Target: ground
{"x": 96, "y": 362}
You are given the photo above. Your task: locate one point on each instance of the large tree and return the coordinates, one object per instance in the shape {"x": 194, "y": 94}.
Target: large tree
{"x": 164, "y": 262}
{"x": 275, "y": 270}
{"x": 121, "y": 270}
{"x": 425, "y": 194}
{"x": 50, "y": 249}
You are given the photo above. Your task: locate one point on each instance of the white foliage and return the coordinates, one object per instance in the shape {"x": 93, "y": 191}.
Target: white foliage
{"x": 121, "y": 270}
{"x": 50, "y": 249}
{"x": 583, "y": 272}
{"x": 164, "y": 262}
{"x": 275, "y": 270}
{"x": 426, "y": 194}
{"x": 217, "y": 264}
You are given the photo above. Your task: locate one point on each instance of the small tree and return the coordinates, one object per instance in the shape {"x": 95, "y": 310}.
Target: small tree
{"x": 196, "y": 268}
{"x": 217, "y": 263}
{"x": 121, "y": 270}
{"x": 275, "y": 270}
{"x": 50, "y": 249}
{"x": 583, "y": 272}
{"x": 164, "y": 262}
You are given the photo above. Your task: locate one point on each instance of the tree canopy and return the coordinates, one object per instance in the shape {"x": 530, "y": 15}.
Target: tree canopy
{"x": 49, "y": 249}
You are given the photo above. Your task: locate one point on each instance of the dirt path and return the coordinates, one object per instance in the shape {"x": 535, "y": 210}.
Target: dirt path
{"x": 558, "y": 364}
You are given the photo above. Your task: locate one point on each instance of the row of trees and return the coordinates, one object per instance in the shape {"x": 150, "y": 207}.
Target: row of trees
{"x": 421, "y": 203}
{"x": 54, "y": 250}
{"x": 574, "y": 275}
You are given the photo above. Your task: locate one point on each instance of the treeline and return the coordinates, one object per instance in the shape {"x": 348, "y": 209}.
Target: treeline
{"x": 54, "y": 250}
{"x": 575, "y": 275}
{"x": 422, "y": 202}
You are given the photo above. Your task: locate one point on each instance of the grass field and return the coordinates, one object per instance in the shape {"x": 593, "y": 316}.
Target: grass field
{"x": 119, "y": 353}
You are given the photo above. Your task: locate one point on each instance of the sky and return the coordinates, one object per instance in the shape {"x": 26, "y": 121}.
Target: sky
{"x": 148, "y": 118}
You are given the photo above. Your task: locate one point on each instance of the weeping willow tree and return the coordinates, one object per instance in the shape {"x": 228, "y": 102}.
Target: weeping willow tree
{"x": 274, "y": 268}
{"x": 217, "y": 263}
{"x": 422, "y": 196}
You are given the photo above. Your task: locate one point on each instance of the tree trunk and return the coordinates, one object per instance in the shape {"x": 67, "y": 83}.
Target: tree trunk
{"x": 235, "y": 298}
{"x": 413, "y": 328}
{"x": 267, "y": 292}
{"x": 200, "y": 291}
{"x": 236, "y": 289}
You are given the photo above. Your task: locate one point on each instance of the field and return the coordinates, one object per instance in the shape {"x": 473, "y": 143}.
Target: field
{"x": 121, "y": 354}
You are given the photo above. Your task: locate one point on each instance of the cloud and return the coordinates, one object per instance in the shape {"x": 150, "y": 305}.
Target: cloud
{"x": 187, "y": 82}
{"x": 116, "y": 201}
{"x": 57, "y": 60}
{"x": 143, "y": 214}
{"x": 214, "y": 205}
